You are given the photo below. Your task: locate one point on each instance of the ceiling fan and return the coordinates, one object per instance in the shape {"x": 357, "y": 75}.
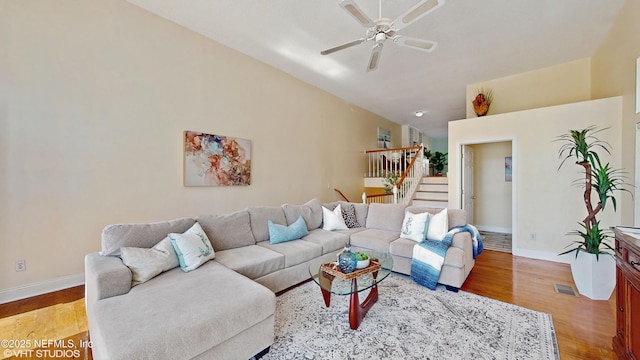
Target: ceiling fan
{"x": 384, "y": 29}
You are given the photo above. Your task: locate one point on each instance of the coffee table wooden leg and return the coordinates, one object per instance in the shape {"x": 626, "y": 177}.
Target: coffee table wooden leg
{"x": 325, "y": 282}
{"x": 326, "y": 295}
{"x": 358, "y": 311}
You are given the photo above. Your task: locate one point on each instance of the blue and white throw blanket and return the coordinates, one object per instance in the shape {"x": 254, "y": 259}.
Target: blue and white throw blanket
{"x": 428, "y": 255}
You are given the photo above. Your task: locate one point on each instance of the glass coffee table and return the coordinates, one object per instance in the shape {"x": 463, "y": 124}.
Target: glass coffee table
{"x": 327, "y": 274}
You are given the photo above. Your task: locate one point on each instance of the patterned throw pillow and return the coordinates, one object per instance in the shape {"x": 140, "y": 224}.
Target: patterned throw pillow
{"x": 349, "y": 215}
{"x": 414, "y": 226}
{"x": 192, "y": 247}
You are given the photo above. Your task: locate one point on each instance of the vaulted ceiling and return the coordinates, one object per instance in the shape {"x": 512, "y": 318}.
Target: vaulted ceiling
{"x": 477, "y": 41}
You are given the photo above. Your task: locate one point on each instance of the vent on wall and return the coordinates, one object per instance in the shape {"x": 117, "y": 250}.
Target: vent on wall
{"x": 565, "y": 289}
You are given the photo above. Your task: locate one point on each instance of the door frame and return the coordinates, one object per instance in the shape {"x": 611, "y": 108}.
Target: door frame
{"x": 514, "y": 181}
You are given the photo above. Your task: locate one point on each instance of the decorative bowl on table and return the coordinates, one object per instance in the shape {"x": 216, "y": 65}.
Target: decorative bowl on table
{"x": 363, "y": 260}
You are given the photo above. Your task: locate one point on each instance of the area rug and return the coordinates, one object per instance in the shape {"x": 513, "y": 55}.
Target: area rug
{"x": 496, "y": 241}
{"x": 409, "y": 322}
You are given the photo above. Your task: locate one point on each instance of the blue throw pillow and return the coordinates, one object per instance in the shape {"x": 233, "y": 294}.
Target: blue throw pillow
{"x": 280, "y": 233}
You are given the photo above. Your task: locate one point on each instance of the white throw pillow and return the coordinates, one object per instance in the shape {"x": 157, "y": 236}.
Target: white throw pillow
{"x": 333, "y": 220}
{"x": 414, "y": 226}
{"x": 438, "y": 226}
{"x": 192, "y": 247}
{"x": 145, "y": 264}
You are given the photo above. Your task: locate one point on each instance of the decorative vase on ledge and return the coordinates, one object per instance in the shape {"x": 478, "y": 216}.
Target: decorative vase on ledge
{"x": 482, "y": 102}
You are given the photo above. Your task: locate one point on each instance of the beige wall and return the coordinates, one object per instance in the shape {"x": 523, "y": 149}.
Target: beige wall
{"x": 546, "y": 201}
{"x": 492, "y": 206}
{"x": 94, "y": 98}
{"x": 555, "y": 85}
{"x": 613, "y": 71}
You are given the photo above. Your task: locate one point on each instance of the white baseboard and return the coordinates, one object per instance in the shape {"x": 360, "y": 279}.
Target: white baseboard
{"x": 494, "y": 229}
{"x": 542, "y": 255}
{"x": 39, "y": 288}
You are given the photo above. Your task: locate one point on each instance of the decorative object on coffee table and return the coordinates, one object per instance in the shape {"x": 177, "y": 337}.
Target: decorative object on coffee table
{"x": 363, "y": 260}
{"x": 332, "y": 280}
{"x": 347, "y": 260}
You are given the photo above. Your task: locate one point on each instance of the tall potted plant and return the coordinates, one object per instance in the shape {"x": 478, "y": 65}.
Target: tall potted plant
{"x": 593, "y": 267}
{"x": 439, "y": 161}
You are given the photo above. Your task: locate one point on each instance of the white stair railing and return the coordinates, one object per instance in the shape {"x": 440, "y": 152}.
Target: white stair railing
{"x": 406, "y": 166}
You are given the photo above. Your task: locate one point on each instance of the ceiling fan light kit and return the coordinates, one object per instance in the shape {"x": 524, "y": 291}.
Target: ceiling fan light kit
{"x": 382, "y": 29}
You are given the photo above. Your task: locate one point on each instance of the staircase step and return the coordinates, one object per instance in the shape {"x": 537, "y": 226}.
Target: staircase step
{"x": 433, "y": 187}
{"x": 434, "y": 180}
{"x": 430, "y": 203}
{"x": 431, "y": 195}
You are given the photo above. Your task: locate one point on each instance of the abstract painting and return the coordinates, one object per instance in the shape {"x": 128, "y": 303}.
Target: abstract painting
{"x": 508, "y": 170}
{"x": 216, "y": 160}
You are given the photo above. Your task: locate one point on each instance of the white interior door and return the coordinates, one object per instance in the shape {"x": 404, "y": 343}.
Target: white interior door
{"x": 636, "y": 212}
{"x": 468, "y": 193}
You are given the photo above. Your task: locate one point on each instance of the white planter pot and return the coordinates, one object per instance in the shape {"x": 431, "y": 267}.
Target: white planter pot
{"x": 594, "y": 279}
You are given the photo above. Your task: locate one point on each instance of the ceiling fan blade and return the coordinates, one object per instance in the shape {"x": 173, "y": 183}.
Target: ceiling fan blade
{"x": 355, "y": 11}
{"x": 343, "y": 46}
{"x": 417, "y": 44}
{"x": 374, "y": 60}
{"x": 421, "y": 9}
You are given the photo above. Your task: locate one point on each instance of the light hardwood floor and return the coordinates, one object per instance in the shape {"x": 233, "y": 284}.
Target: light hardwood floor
{"x": 584, "y": 327}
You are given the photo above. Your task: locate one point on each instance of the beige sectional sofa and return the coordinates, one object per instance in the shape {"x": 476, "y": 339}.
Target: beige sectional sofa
{"x": 225, "y": 308}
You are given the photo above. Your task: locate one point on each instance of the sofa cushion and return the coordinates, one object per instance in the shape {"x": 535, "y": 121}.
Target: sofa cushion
{"x": 438, "y": 226}
{"x": 281, "y": 233}
{"x": 354, "y": 214}
{"x": 352, "y": 231}
{"x": 415, "y": 226}
{"x": 457, "y": 217}
{"x": 260, "y": 215}
{"x": 310, "y": 211}
{"x": 228, "y": 231}
{"x": 361, "y": 211}
{"x": 330, "y": 241}
{"x": 374, "y": 239}
{"x": 140, "y": 235}
{"x": 222, "y": 304}
{"x": 147, "y": 263}
{"x": 385, "y": 216}
{"x": 333, "y": 219}
{"x": 192, "y": 247}
{"x": 402, "y": 247}
{"x": 252, "y": 261}
{"x": 295, "y": 252}
{"x": 349, "y": 216}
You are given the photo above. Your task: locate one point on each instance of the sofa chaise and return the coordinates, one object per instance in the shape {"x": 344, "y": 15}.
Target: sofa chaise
{"x": 225, "y": 308}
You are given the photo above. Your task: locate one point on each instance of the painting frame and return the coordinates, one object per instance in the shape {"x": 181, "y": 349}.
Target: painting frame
{"x": 384, "y": 138}
{"x": 215, "y": 160}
